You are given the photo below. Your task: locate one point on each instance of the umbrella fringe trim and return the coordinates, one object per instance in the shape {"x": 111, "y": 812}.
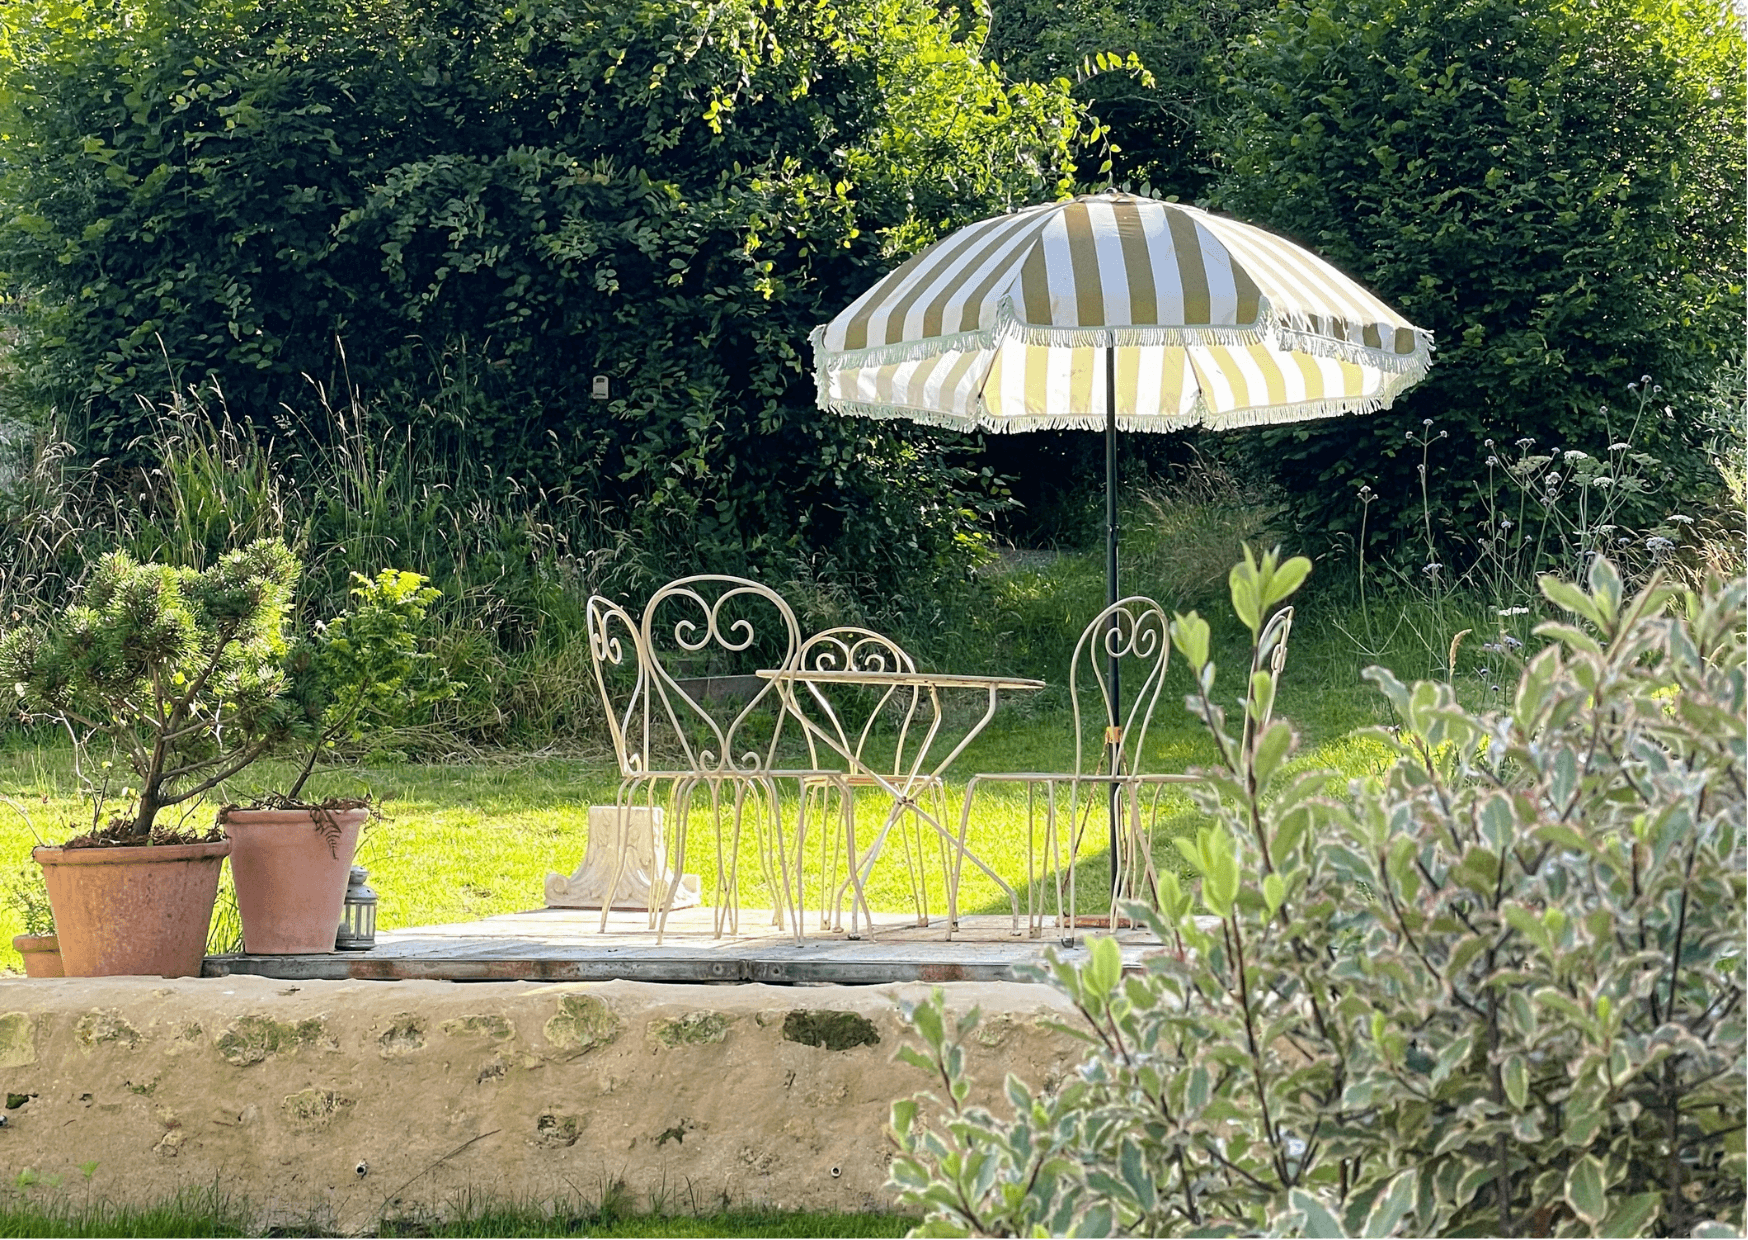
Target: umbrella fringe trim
{"x": 1199, "y": 415}
{"x": 1274, "y": 328}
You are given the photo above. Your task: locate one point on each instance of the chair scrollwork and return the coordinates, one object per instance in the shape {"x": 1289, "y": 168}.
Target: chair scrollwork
{"x": 706, "y": 619}
{"x": 1134, "y": 633}
{"x": 615, "y": 656}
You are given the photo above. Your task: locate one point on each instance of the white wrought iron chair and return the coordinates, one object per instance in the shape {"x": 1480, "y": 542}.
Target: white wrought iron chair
{"x": 1107, "y": 775}
{"x": 1135, "y": 633}
{"x": 852, "y": 728}
{"x": 675, "y": 745}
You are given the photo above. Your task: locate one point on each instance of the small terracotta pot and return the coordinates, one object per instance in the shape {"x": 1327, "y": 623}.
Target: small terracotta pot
{"x": 42, "y": 954}
{"x": 290, "y": 875}
{"x": 139, "y": 910}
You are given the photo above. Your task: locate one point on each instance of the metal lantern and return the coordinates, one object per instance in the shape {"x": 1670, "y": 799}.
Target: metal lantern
{"x": 357, "y": 931}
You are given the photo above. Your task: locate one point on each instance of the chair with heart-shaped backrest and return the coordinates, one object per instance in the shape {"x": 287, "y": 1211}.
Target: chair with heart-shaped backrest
{"x": 878, "y": 736}
{"x": 714, "y": 729}
{"x": 1108, "y": 775}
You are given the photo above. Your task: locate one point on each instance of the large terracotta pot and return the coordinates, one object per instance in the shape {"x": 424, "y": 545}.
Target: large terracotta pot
{"x": 42, "y": 954}
{"x": 139, "y": 910}
{"x": 290, "y": 868}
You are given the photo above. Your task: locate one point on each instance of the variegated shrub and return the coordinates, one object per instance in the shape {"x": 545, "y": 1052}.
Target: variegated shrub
{"x": 1494, "y": 990}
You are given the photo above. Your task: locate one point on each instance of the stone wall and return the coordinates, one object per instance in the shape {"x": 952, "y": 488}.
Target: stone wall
{"x": 341, "y": 1103}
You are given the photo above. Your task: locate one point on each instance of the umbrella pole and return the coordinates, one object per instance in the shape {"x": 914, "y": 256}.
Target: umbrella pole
{"x": 1113, "y": 710}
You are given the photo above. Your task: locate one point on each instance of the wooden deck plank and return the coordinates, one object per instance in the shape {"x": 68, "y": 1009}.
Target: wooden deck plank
{"x": 568, "y": 945}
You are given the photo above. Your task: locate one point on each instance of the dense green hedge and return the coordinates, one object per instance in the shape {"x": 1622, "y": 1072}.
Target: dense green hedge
{"x": 490, "y": 203}
{"x": 1555, "y": 189}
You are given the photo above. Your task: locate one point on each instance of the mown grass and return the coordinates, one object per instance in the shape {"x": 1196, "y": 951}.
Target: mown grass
{"x": 213, "y": 1213}
{"x": 462, "y": 840}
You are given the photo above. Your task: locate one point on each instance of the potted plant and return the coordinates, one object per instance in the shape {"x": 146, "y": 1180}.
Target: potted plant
{"x": 184, "y": 673}
{"x": 290, "y": 859}
{"x": 37, "y": 945}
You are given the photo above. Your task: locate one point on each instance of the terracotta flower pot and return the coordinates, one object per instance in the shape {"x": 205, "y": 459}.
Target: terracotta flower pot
{"x": 290, "y": 868}
{"x": 141, "y": 910}
{"x": 42, "y": 954}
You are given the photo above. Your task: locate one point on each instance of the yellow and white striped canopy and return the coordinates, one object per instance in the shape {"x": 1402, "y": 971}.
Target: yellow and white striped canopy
{"x": 1003, "y": 326}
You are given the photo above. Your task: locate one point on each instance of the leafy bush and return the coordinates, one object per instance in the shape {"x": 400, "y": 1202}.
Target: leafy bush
{"x": 1496, "y": 991}
{"x": 490, "y": 204}
{"x": 361, "y": 670}
{"x": 1163, "y": 117}
{"x": 29, "y": 898}
{"x": 1551, "y": 188}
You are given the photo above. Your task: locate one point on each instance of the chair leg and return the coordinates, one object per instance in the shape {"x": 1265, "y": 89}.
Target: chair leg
{"x": 682, "y": 800}
{"x": 859, "y": 871}
{"x": 728, "y": 915}
{"x": 622, "y": 811}
{"x": 797, "y": 905}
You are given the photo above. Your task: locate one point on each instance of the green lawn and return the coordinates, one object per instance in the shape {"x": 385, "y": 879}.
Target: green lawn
{"x": 212, "y": 1214}
{"x": 465, "y": 840}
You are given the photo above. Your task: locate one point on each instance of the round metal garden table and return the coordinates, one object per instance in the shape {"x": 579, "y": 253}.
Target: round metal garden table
{"x": 915, "y": 769}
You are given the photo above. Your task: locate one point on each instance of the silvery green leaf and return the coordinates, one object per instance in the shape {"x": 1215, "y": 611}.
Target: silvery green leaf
{"x": 1515, "y": 1074}
{"x": 1320, "y": 1223}
{"x": 1632, "y": 1216}
{"x": 1391, "y": 1206}
{"x": 1585, "y": 1189}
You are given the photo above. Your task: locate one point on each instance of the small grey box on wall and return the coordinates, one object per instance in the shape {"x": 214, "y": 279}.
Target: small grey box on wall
{"x": 599, "y": 391}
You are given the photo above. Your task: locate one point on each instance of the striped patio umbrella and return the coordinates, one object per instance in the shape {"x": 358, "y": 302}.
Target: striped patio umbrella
{"x": 1117, "y": 312}
{"x": 1003, "y": 326}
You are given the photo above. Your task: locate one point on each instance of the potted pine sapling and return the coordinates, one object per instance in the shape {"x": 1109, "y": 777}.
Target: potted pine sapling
{"x": 184, "y": 674}
{"x": 290, "y": 858}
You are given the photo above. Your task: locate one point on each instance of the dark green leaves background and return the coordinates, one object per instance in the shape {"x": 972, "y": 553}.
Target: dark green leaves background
{"x": 389, "y": 194}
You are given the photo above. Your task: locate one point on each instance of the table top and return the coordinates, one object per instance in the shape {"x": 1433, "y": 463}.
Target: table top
{"x": 922, "y": 680}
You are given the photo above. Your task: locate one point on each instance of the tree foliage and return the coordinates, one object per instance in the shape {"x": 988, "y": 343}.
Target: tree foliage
{"x": 1149, "y": 70}
{"x": 669, "y": 193}
{"x": 182, "y": 671}
{"x": 1495, "y": 991}
{"x": 1554, "y": 189}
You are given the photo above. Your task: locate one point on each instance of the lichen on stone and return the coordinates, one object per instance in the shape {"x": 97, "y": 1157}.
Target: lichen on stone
{"x": 488, "y": 1025}
{"x": 314, "y": 1106}
{"x": 557, "y": 1131}
{"x": 17, "y": 1040}
{"x": 692, "y": 1029}
{"x": 995, "y": 1031}
{"x": 583, "y": 1023}
{"x": 835, "y": 1031}
{"x": 251, "y": 1039}
{"x": 404, "y": 1035}
{"x": 99, "y": 1028}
